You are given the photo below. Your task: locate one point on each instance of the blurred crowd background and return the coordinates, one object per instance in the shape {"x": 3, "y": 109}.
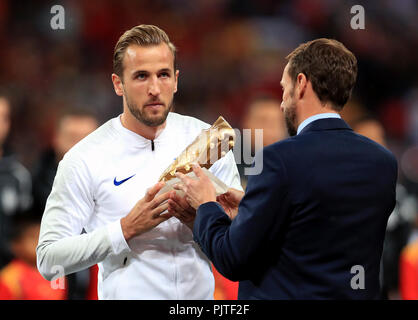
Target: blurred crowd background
{"x": 231, "y": 53}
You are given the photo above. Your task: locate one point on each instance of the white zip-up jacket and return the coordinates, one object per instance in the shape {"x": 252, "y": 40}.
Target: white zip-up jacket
{"x": 98, "y": 182}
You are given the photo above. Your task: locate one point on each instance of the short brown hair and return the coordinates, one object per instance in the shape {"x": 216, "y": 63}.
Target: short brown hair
{"x": 329, "y": 65}
{"x": 142, "y": 35}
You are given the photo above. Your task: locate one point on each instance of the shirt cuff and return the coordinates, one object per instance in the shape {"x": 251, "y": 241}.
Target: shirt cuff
{"x": 117, "y": 239}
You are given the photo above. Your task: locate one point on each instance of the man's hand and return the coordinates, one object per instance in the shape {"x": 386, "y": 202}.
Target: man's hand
{"x": 230, "y": 201}
{"x": 197, "y": 191}
{"x": 180, "y": 208}
{"x": 146, "y": 214}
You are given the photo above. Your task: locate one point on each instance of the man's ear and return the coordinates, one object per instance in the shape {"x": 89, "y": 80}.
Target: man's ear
{"x": 302, "y": 83}
{"x": 117, "y": 84}
{"x": 176, "y": 80}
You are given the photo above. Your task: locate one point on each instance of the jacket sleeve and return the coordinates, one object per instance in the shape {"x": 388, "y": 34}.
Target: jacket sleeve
{"x": 68, "y": 209}
{"x": 234, "y": 246}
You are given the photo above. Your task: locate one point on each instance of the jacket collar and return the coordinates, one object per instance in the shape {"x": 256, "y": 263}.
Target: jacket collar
{"x": 326, "y": 124}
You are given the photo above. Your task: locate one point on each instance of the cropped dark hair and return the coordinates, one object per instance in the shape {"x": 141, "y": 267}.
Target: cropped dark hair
{"x": 142, "y": 35}
{"x": 329, "y": 66}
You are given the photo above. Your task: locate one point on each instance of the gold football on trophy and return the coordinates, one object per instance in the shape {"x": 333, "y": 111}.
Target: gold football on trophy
{"x": 208, "y": 147}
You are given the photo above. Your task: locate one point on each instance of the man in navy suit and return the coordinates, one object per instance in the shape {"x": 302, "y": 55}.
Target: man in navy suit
{"x": 311, "y": 225}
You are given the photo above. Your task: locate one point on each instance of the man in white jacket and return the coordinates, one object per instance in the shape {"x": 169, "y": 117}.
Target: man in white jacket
{"x": 106, "y": 184}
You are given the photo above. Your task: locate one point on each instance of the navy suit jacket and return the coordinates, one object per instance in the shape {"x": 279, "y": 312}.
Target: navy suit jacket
{"x": 318, "y": 209}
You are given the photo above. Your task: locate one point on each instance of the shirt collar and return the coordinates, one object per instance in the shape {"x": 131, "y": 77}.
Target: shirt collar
{"x": 136, "y": 138}
{"x": 317, "y": 117}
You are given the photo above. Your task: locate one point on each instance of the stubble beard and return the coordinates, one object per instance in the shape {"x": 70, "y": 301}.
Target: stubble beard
{"x": 144, "y": 118}
{"x": 290, "y": 117}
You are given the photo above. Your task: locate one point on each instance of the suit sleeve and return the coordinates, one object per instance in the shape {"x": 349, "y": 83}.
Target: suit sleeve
{"x": 233, "y": 246}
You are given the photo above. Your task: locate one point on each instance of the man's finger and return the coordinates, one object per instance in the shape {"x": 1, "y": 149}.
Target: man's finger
{"x": 162, "y": 217}
{"x": 198, "y": 171}
{"x": 158, "y": 210}
{"x": 222, "y": 202}
{"x": 181, "y": 202}
{"x": 151, "y": 192}
{"x": 165, "y": 216}
{"x": 179, "y": 186}
{"x": 185, "y": 179}
{"x": 171, "y": 210}
{"x": 174, "y": 196}
{"x": 179, "y": 213}
{"x": 173, "y": 205}
{"x": 176, "y": 210}
{"x": 160, "y": 199}
{"x": 234, "y": 195}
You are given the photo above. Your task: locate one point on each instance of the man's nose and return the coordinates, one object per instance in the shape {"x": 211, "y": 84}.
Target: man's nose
{"x": 154, "y": 87}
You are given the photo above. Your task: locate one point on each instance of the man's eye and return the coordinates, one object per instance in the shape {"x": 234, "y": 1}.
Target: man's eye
{"x": 165, "y": 75}
{"x": 141, "y": 76}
